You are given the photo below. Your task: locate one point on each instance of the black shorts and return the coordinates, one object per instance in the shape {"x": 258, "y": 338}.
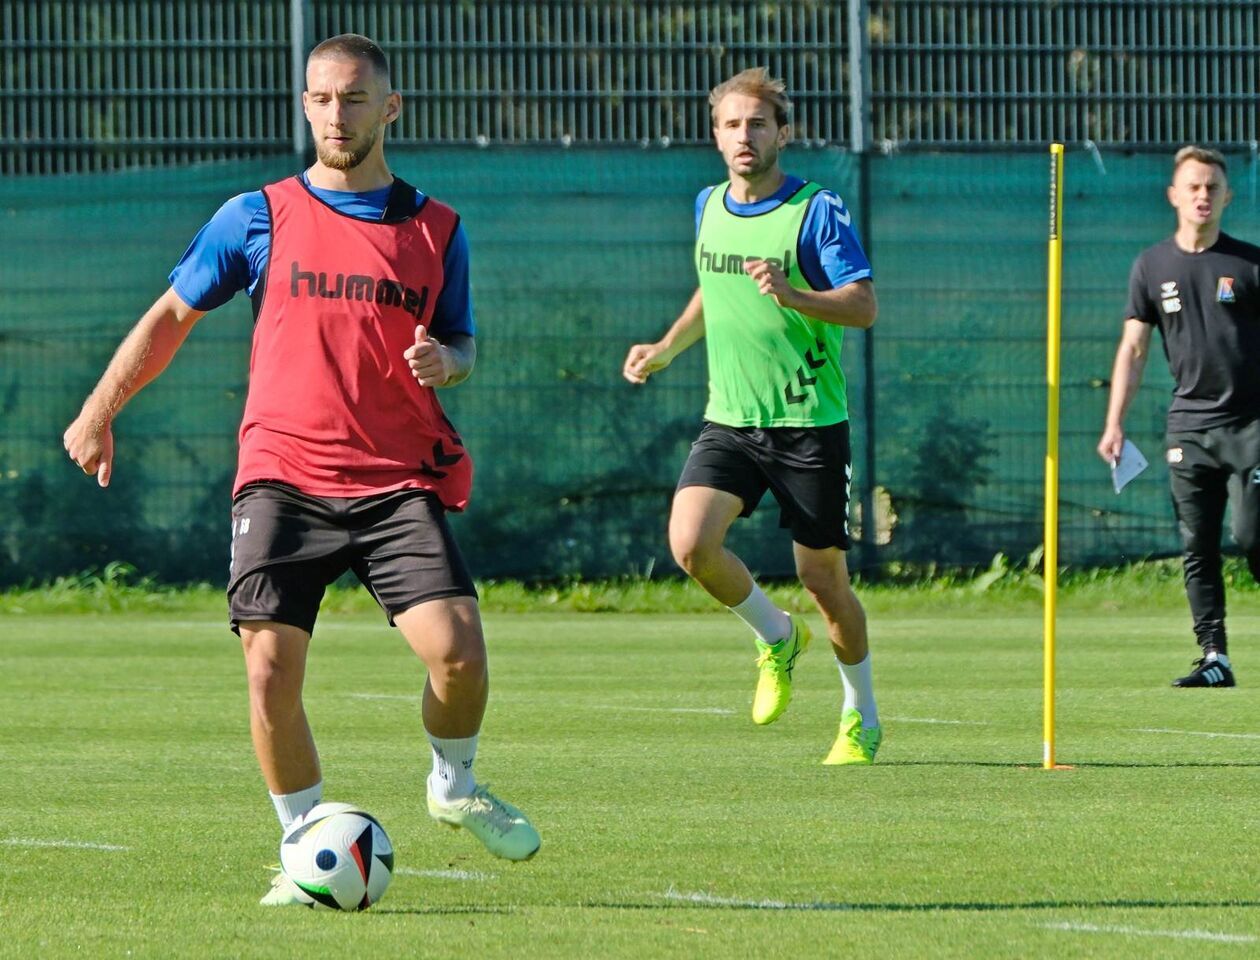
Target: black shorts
{"x": 288, "y": 546}
{"x": 807, "y": 469}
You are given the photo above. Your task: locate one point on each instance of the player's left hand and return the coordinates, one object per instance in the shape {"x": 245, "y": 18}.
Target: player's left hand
{"x": 770, "y": 280}
{"x": 430, "y": 362}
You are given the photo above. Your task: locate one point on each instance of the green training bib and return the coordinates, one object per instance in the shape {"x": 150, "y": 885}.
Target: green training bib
{"x": 769, "y": 366}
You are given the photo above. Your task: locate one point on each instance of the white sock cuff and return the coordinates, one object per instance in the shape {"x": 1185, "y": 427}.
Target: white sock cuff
{"x": 290, "y": 806}
{"x": 859, "y": 689}
{"x": 758, "y": 611}
{"x": 452, "y": 775}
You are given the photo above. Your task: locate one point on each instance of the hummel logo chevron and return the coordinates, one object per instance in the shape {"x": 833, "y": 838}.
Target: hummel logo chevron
{"x": 440, "y": 459}
{"x": 814, "y": 362}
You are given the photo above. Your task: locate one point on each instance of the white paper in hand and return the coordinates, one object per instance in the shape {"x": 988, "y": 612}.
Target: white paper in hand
{"x": 1130, "y": 464}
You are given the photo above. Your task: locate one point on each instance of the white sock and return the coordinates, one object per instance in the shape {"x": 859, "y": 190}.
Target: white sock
{"x": 1218, "y": 657}
{"x": 859, "y": 690}
{"x": 290, "y": 806}
{"x": 767, "y": 621}
{"x": 452, "y": 777}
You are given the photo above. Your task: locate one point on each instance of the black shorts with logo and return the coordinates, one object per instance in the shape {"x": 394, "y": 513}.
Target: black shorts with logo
{"x": 288, "y": 546}
{"x": 808, "y": 470}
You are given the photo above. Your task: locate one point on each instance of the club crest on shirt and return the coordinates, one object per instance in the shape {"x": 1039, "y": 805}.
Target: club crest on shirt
{"x": 1170, "y": 296}
{"x": 1225, "y": 290}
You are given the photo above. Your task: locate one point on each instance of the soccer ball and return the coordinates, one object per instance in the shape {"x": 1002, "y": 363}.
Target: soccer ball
{"x": 339, "y": 856}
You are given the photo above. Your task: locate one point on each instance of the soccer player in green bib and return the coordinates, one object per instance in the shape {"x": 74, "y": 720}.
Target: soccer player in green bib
{"x": 781, "y": 275}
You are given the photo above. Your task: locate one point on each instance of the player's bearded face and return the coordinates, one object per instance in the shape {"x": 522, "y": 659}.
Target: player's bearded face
{"x": 341, "y": 154}
{"x": 348, "y": 107}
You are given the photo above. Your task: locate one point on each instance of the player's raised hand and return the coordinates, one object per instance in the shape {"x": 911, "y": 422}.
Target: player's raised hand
{"x": 90, "y": 444}
{"x": 770, "y": 280}
{"x": 643, "y": 360}
{"x": 429, "y": 361}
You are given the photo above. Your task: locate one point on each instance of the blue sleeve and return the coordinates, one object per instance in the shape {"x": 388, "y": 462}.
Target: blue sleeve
{"x": 701, "y": 199}
{"x": 228, "y": 254}
{"x": 453, "y": 311}
{"x": 830, "y": 253}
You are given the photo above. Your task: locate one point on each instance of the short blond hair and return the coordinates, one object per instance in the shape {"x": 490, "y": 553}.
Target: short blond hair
{"x": 1212, "y": 158}
{"x": 754, "y": 82}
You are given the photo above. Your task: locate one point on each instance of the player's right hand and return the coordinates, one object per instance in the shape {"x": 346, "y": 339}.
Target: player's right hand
{"x": 90, "y": 444}
{"x": 1110, "y": 445}
{"x": 643, "y": 360}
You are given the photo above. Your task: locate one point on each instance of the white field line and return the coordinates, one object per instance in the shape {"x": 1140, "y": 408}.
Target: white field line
{"x": 1139, "y": 932}
{"x": 1199, "y": 733}
{"x": 446, "y": 874}
{"x": 709, "y": 900}
{"x": 956, "y": 723}
{"x": 64, "y": 844}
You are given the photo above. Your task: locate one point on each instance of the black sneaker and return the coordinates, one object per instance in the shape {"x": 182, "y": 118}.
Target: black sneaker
{"x": 1207, "y": 673}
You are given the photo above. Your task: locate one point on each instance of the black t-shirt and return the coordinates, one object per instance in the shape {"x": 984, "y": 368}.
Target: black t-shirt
{"x": 1207, "y": 308}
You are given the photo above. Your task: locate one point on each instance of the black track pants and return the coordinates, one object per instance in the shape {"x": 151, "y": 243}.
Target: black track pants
{"x": 1207, "y": 469}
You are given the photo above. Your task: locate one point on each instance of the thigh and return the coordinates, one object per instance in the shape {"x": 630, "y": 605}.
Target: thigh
{"x": 719, "y": 461}
{"x": 811, "y": 474}
{"x": 286, "y": 549}
{"x": 1244, "y": 484}
{"x": 405, "y": 552}
{"x": 444, "y": 630}
{"x": 701, "y": 516}
{"x": 1199, "y": 486}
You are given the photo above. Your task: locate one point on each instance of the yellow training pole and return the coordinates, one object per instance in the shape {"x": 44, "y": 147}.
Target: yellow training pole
{"x": 1051, "y": 557}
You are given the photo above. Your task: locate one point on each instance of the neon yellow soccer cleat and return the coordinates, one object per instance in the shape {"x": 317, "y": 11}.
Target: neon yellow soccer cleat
{"x": 284, "y": 893}
{"x": 855, "y": 744}
{"x": 775, "y": 664}
{"x": 500, "y": 826}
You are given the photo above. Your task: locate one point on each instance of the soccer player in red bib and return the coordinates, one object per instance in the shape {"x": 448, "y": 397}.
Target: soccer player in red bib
{"x": 359, "y": 284}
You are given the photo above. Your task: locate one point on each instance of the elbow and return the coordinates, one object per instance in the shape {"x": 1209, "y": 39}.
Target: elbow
{"x": 870, "y": 310}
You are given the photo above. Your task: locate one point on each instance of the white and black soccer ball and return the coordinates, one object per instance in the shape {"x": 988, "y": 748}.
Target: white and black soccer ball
{"x": 339, "y": 856}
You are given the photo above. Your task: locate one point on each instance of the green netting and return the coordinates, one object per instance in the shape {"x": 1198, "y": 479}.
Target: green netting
{"x": 577, "y": 254}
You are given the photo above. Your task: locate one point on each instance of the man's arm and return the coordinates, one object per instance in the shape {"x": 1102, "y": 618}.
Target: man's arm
{"x": 441, "y": 364}
{"x": 850, "y": 305}
{"x": 1126, "y": 378}
{"x": 143, "y": 354}
{"x": 645, "y": 359}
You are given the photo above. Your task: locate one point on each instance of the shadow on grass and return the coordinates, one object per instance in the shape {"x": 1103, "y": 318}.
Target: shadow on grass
{"x": 675, "y": 899}
{"x": 444, "y": 911}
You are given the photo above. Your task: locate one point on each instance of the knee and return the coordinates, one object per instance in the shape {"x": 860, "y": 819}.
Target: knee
{"x": 821, "y": 578}
{"x": 1248, "y": 540}
{"x": 463, "y": 661}
{"x": 1199, "y": 543}
{"x": 274, "y": 684}
{"x": 690, "y": 552}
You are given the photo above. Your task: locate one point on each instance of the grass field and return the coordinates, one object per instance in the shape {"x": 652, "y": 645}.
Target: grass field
{"x": 136, "y": 824}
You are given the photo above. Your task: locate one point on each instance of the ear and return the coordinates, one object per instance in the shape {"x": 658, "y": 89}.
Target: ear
{"x": 393, "y": 106}
{"x": 306, "y": 104}
{"x": 785, "y": 135}
{"x": 1172, "y": 202}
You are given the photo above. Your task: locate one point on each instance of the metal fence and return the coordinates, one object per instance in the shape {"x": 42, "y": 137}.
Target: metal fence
{"x": 109, "y": 84}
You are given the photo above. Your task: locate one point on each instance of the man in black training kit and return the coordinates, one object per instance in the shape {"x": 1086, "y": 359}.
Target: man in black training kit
{"x": 1201, "y": 288}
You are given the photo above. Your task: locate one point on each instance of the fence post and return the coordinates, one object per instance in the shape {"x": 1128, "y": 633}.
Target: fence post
{"x": 299, "y": 43}
{"x": 860, "y": 143}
